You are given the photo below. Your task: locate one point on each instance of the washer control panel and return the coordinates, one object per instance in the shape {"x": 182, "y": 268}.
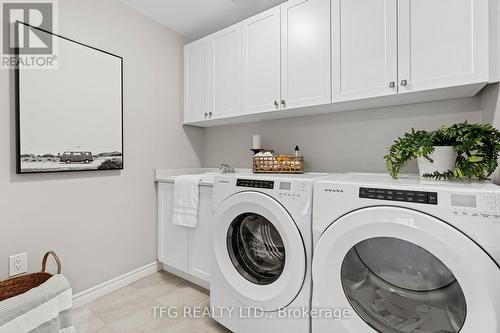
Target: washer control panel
{"x": 428, "y": 198}
{"x": 284, "y": 189}
{"x": 481, "y": 205}
{"x": 255, "y": 183}
{"x": 292, "y": 190}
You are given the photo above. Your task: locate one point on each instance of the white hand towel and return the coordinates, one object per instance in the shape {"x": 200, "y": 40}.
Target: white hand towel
{"x": 186, "y": 196}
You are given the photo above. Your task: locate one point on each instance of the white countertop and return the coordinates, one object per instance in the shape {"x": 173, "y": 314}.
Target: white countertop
{"x": 169, "y": 175}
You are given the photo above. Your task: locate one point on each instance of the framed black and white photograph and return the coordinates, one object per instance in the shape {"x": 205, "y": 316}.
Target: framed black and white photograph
{"x": 70, "y": 118}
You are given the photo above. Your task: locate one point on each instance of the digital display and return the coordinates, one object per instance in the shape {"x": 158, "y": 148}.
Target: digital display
{"x": 286, "y": 186}
{"x": 463, "y": 200}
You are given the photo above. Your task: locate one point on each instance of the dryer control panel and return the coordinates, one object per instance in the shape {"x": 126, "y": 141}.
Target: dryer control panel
{"x": 429, "y": 198}
{"x": 481, "y": 205}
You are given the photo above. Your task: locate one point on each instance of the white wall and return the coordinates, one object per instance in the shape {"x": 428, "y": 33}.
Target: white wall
{"x": 490, "y": 104}
{"x": 340, "y": 142}
{"x": 102, "y": 224}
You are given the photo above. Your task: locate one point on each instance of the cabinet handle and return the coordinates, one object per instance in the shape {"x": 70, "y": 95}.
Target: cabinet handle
{"x": 404, "y": 83}
{"x": 283, "y": 102}
{"x": 392, "y": 84}
{"x": 276, "y": 104}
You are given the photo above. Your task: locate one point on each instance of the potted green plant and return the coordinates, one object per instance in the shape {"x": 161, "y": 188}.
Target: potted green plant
{"x": 460, "y": 151}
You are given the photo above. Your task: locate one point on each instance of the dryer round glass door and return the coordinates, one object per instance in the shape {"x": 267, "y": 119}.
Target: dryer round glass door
{"x": 397, "y": 270}
{"x": 256, "y": 248}
{"x": 398, "y": 287}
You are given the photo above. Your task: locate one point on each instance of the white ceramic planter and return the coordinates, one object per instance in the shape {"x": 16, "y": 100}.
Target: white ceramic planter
{"x": 444, "y": 160}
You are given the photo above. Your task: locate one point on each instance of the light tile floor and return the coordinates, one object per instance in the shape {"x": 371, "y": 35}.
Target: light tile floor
{"x": 130, "y": 309}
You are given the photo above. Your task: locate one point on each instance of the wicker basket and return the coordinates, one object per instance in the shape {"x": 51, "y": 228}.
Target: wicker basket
{"x": 278, "y": 164}
{"x": 19, "y": 285}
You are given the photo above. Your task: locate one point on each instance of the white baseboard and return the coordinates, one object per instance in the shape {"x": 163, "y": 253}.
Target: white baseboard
{"x": 118, "y": 282}
{"x": 186, "y": 276}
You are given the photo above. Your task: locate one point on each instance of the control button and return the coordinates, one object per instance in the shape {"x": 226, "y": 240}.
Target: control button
{"x": 465, "y": 213}
{"x": 422, "y": 200}
{"x": 433, "y": 198}
{"x": 485, "y": 215}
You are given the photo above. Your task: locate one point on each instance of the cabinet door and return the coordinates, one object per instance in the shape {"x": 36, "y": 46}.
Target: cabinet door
{"x": 196, "y": 80}
{"x": 305, "y": 53}
{"x": 227, "y": 54}
{"x": 442, "y": 43}
{"x": 200, "y": 238}
{"x": 364, "y": 49}
{"x": 261, "y": 62}
{"x": 172, "y": 239}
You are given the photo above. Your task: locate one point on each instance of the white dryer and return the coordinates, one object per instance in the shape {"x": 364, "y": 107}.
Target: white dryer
{"x": 406, "y": 256}
{"x": 263, "y": 249}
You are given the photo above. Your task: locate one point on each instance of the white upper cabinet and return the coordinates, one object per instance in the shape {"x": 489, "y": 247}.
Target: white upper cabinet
{"x": 261, "y": 62}
{"x": 196, "y": 81}
{"x": 356, "y": 54}
{"x": 305, "y": 53}
{"x": 226, "y": 57}
{"x": 364, "y": 49}
{"x": 442, "y": 43}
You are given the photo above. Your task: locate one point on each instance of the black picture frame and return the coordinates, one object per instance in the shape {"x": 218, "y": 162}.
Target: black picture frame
{"x": 18, "y": 111}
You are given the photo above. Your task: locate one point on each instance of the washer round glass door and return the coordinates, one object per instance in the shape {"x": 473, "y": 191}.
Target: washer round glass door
{"x": 396, "y": 270}
{"x": 256, "y": 248}
{"x": 399, "y": 287}
{"x": 259, "y": 251}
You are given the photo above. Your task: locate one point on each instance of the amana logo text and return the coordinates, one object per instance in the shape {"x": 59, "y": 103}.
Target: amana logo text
{"x": 335, "y": 190}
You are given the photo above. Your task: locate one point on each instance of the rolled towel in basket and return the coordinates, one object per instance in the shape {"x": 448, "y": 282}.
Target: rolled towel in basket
{"x": 46, "y": 308}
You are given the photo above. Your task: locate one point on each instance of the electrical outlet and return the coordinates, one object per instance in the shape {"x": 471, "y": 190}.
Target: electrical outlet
{"x": 18, "y": 264}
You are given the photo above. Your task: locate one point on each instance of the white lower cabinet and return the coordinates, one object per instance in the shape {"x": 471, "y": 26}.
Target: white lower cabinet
{"x": 188, "y": 251}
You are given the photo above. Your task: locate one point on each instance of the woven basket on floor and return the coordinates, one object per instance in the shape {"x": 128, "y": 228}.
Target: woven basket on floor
{"x": 19, "y": 285}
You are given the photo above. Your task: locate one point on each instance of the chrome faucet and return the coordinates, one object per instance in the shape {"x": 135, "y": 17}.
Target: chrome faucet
{"x": 225, "y": 168}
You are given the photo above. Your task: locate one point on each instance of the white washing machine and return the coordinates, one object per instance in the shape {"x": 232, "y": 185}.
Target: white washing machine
{"x": 406, "y": 256}
{"x": 263, "y": 249}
